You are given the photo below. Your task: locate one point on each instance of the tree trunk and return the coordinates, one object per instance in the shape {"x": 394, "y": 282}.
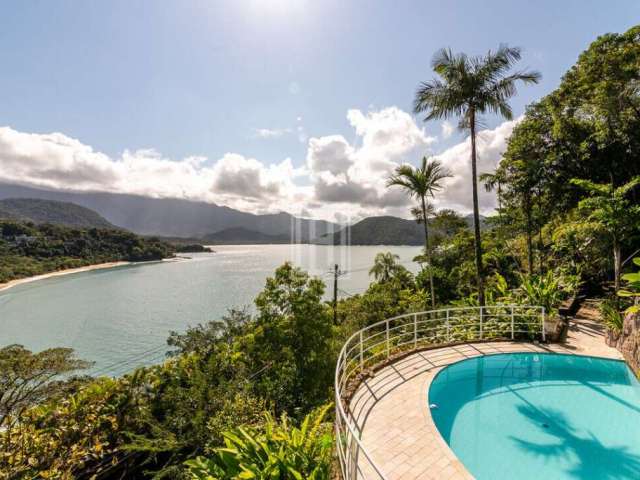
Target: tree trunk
{"x": 476, "y": 212}
{"x": 617, "y": 263}
{"x": 427, "y": 251}
{"x": 527, "y": 212}
{"x": 499, "y": 203}
{"x": 540, "y": 250}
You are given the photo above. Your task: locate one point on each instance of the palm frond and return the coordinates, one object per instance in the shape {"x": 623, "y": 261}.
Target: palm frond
{"x": 479, "y": 84}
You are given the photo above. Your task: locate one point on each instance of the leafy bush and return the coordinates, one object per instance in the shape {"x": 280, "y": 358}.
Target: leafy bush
{"x": 277, "y": 450}
{"x": 544, "y": 290}
{"x": 611, "y": 315}
{"x": 632, "y": 289}
{"x": 379, "y": 302}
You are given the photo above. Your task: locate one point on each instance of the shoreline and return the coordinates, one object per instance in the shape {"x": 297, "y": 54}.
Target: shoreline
{"x": 59, "y": 273}
{"x": 86, "y": 268}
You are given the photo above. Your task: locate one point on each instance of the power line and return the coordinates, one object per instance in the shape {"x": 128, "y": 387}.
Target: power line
{"x": 126, "y": 362}
{"x": 344, "y": 292}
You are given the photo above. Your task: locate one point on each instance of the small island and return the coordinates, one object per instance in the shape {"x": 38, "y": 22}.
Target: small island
{"x": 193, "y": 248}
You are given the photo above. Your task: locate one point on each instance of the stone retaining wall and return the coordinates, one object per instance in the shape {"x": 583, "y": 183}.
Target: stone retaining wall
{"x": 628, "y": 340}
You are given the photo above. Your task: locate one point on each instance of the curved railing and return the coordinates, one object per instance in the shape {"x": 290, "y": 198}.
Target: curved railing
{"x": 377, "y": 343}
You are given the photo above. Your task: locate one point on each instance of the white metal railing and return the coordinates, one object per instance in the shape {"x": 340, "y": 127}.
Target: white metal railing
{"x": 376, "y": 343}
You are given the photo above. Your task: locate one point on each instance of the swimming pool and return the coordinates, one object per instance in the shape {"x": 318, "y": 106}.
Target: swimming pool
{"x": 529, "y": 416}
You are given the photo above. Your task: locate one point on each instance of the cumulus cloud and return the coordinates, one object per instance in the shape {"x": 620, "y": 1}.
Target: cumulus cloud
{"x": 340, "y": 179}
{"x": 355, "y": 174}
{"x": 491, "y": 144}
{"x": 329, "y": 154}
{"x": 56, "y": 161}
{"x": 240, "y": 176}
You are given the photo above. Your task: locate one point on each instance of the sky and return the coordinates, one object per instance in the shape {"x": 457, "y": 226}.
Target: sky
{"x": 262, "y": 105}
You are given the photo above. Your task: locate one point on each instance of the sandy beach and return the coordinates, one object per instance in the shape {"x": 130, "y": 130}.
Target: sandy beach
{"x": 68, "y": 271}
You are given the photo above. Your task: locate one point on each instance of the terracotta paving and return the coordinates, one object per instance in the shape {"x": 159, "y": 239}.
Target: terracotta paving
{"x": 391, "y": 408}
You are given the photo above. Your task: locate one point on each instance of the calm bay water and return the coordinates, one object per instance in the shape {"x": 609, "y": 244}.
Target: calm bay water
{"x": 120, "y": 318}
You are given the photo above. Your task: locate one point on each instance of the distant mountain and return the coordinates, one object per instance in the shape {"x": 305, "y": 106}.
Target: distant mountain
{"x": 49, "y": 211}
{"x": 469, "y": 219}
{"x": 243, "y": 236}
{"x": 384, "y": 230}
{"x": 174, "y": 217}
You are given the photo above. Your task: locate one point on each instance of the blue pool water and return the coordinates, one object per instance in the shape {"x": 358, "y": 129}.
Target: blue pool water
{"x": 527, "y": 416}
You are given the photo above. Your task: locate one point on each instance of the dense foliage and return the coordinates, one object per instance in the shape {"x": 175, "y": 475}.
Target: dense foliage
{"x": 220, "y": 375}
{"x": 275, "y": 450}
{"x": 467, "y": 88}
{"x": 28, "y": 249}
{"x": 569, "y": 175}
{"x": 567, "y": 220}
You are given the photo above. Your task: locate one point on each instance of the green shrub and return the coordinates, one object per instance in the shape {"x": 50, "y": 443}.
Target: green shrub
{"x": 278, "y": 450}
{"x": 611, "y": 315}
{"x": 543, "y": 290}
{"x": 632, "y": 289}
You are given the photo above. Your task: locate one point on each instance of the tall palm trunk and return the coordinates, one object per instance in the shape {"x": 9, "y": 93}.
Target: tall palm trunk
{"x": 499, "y": 203}
{"x": 427, "y": 251}
{"x": 476, "y": 212}
{"x": 529, "y": 227}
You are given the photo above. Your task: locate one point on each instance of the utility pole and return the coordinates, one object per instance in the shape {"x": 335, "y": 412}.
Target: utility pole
{"x": 336, "y": 273}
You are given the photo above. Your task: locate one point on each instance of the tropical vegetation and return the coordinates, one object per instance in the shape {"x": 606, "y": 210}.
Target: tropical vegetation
{"x": 28, "y": 249}
{"x": 467, "y": 88}
{"x": 421, "y": 183}
{"x": 248, "y": 395}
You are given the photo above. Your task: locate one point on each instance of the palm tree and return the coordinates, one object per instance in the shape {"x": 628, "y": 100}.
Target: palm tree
{"x": 467, "y": 88}
{"x": 385, "y": 266}
{"x": 420, "y": 183}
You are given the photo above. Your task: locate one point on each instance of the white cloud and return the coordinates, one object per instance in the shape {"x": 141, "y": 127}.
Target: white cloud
{"x": 271, "y": 132}
{"x": 351, "y": 177}
{"x": 340, "y": 178}
{"x": 456, "y": 193}
{"x": 331, "y": 154}
{"x": 447, "y": 129}
{"x": 56, "y": 161}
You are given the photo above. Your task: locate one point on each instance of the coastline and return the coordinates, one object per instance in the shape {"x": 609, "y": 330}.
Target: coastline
{"x": 67, "y": 271}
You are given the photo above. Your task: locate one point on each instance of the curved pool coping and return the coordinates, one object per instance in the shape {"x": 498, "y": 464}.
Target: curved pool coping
{"x": 392, "y": 411}
{"x": 597, "y": 357}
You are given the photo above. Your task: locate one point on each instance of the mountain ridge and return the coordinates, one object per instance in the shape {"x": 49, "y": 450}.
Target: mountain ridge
{"x": 171, "y": 217}
{"x": 41, "y": 211}
{"x": 386, "y": 230}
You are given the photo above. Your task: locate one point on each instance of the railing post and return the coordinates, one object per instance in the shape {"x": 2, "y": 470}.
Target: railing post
{"x": 448, "y": 327}
{"x": 361, "y": 353}
{"x": 415, "y": 330}
{"x": 481, "y": 319}
{"x": 387, "y": 330}
{"x": 544, "y": 339}
{"x": 513, "y": 332}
